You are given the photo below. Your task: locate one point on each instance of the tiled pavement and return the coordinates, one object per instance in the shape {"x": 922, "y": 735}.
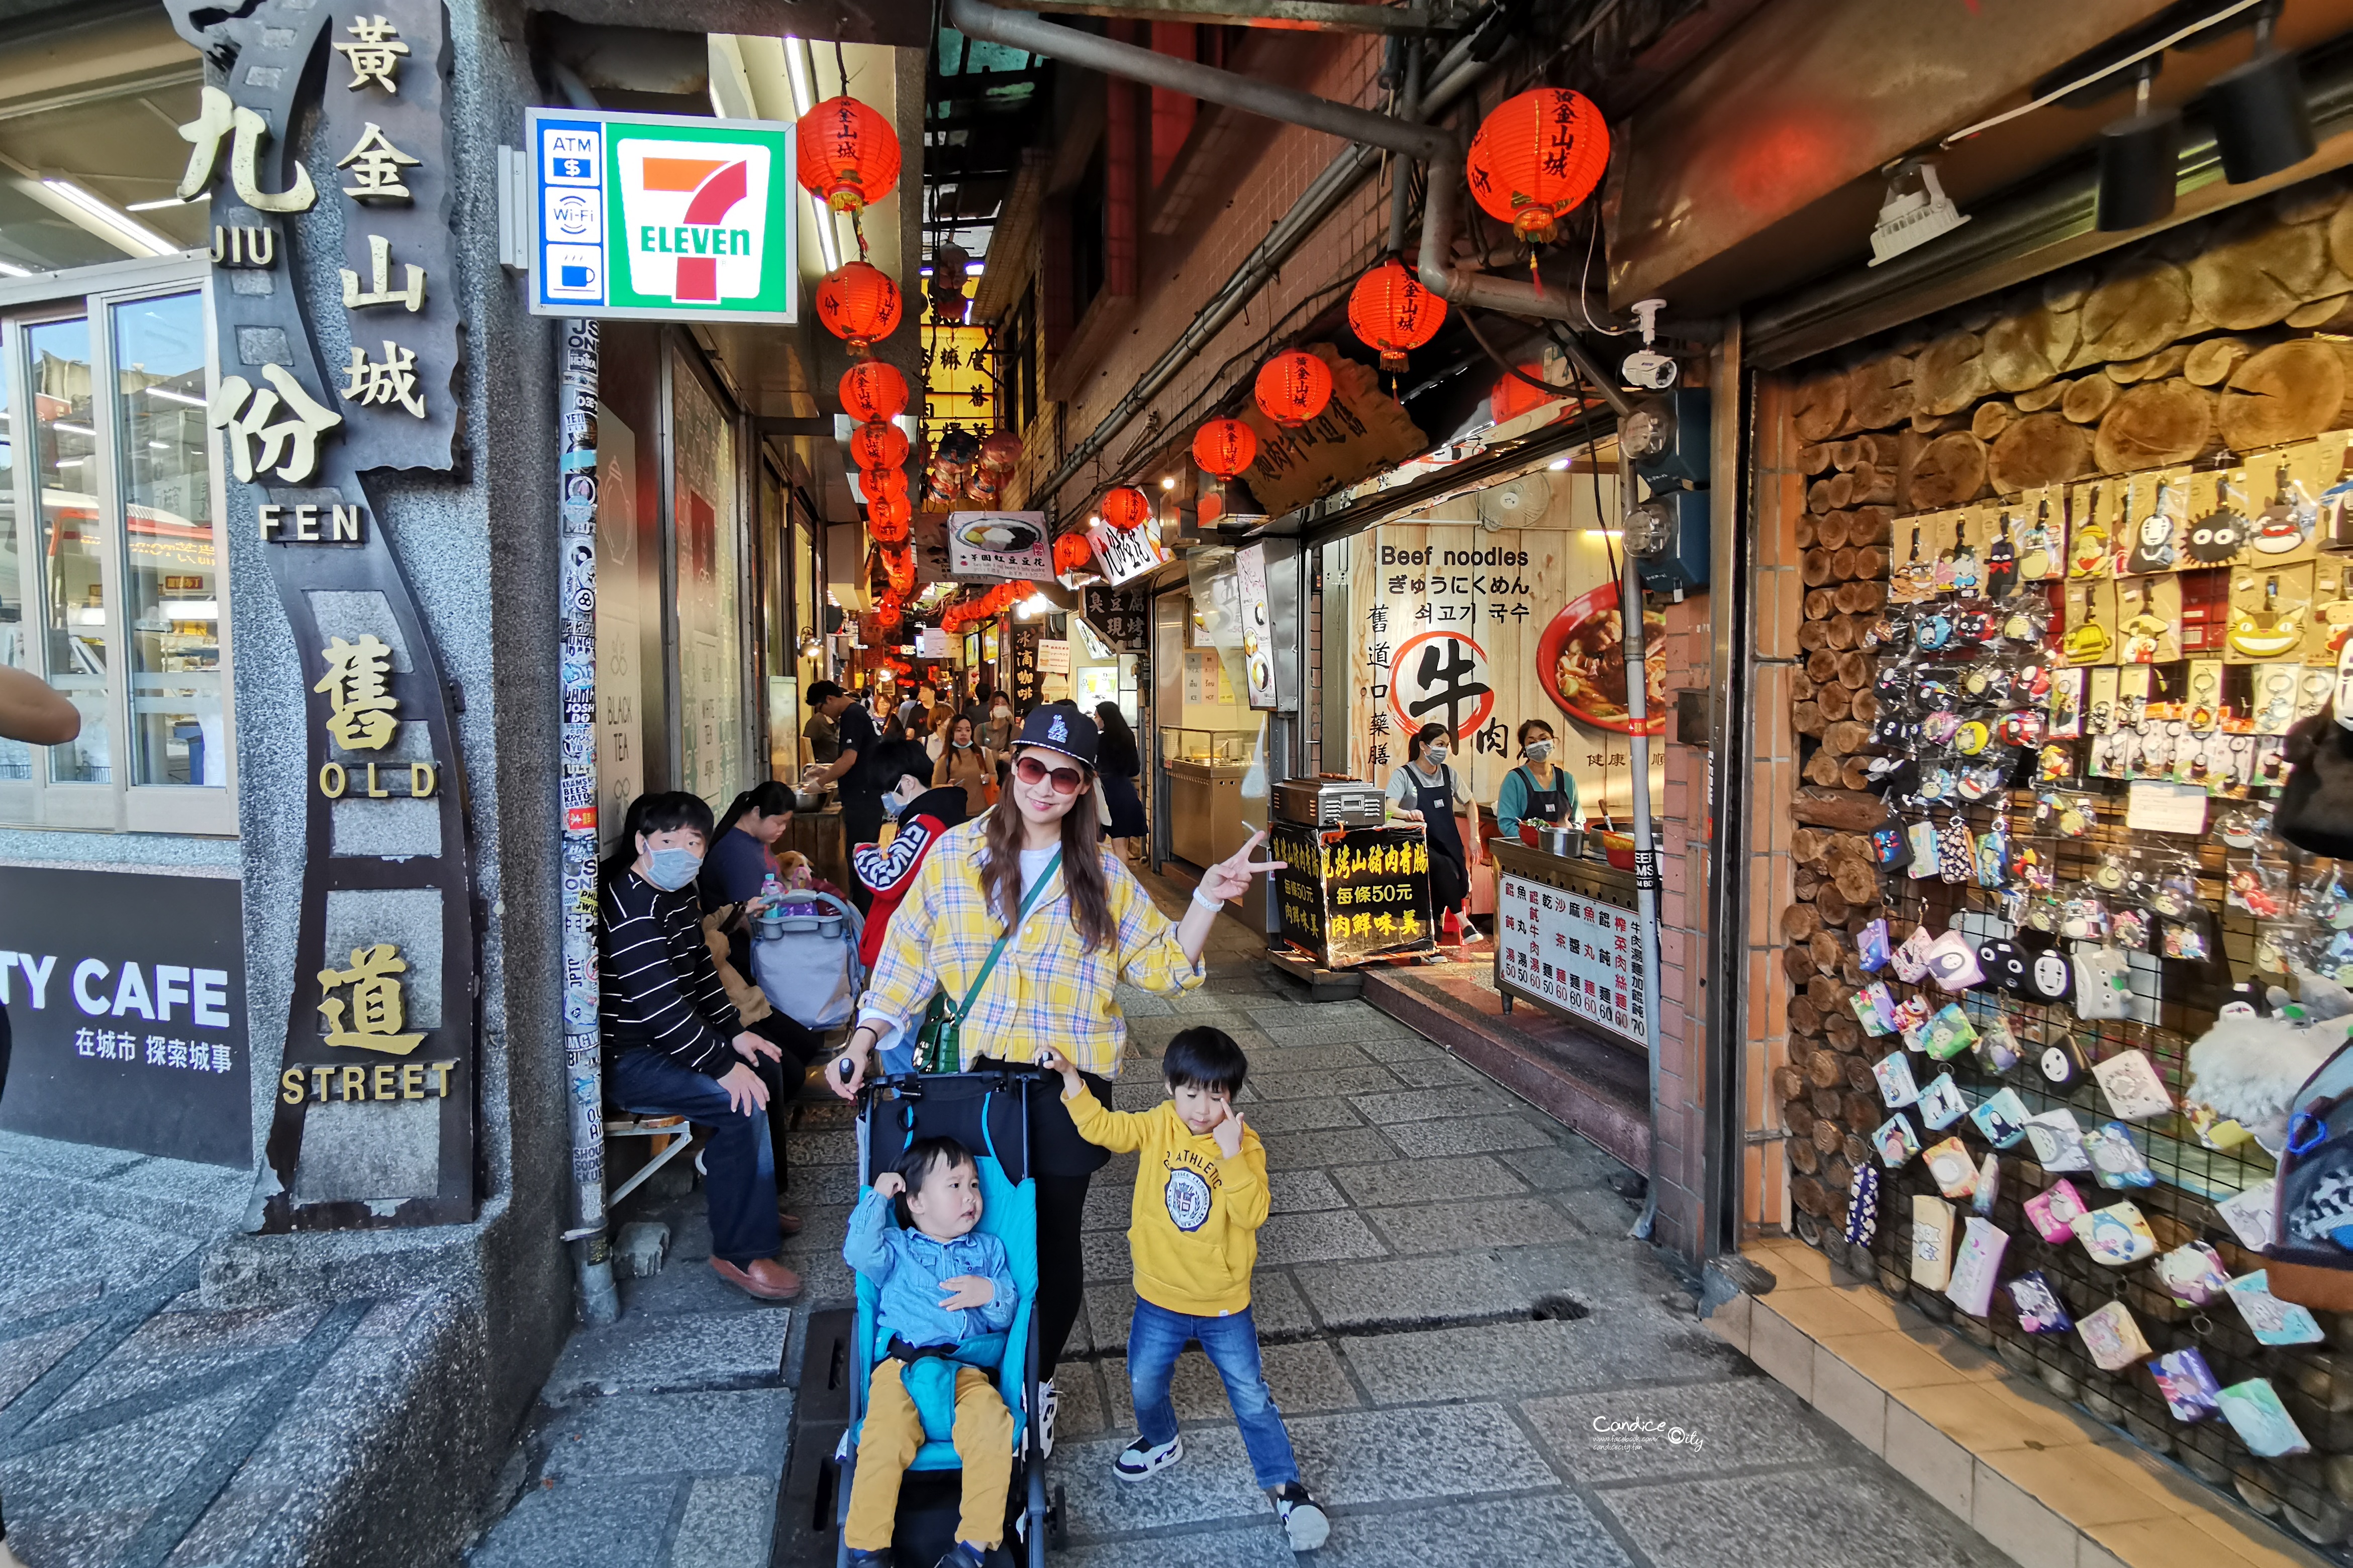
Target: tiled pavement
{"x": 1423, "y": 1217}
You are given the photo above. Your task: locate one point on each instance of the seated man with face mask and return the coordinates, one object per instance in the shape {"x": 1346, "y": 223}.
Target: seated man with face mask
{"x": 674, "y": 1044}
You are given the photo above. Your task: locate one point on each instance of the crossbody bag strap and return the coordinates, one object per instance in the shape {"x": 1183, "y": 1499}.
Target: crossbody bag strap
{"x": 988, "y": 964}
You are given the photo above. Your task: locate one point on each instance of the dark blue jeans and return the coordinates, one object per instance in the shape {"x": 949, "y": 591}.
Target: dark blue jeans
{"x": 1153, "y": 1340}
{"x": 739, "y": 1167}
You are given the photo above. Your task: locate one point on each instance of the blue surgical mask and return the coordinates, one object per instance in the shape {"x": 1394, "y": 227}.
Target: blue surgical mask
{"x": 1436, "y": 755}
{"x": 1538, "y": 750}
{"x": 670, "y": 869}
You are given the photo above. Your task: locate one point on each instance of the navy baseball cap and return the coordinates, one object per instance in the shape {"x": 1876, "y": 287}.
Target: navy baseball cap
{"x": 1059, "y": 730}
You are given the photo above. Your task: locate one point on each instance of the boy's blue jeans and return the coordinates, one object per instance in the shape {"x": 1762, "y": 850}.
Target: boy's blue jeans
{"x": 1154, "y": 1342}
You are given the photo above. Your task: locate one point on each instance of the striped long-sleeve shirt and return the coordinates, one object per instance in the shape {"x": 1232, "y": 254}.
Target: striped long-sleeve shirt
{"x": 661, "y": 990}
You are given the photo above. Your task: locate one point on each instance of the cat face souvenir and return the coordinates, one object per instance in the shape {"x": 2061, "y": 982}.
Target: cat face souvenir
{"x": 2001, "y": 1118}
{"x": 2057, "y": 1141}
{"x": 1911, "y": 958}
{"x": 1941, "y": 1104}
{"x": 1952, "y": 961}
{"x": 2271, "y": 1320}
{"x": 2113, "y": 1337}
{"x": 2116, "y": 1236}
{"x": 2116, "y": 1159}
{"x": 2053, "y": 1214}
{"x": 2135, "y": 1091}
{"x": 2188, "y": 1384}
{"x": 1998, "y": 1048}
{"x": 1896, "y": 1087}
{"x": 2192, "y": 1273}
{"x": 1896, "y": 1141}
{"x": 1951, "y": 1168}
{"x": 1947, "y": 1033}
{"x": 2040, "y": 1310}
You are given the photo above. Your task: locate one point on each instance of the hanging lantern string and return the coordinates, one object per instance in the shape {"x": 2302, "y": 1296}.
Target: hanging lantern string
{"x": 857, "y": 230}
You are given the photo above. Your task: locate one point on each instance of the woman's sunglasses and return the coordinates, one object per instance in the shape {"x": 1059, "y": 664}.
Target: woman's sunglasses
{"x": 1031, "y": 771}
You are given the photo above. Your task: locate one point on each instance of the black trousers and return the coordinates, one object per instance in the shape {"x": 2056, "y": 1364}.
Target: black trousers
{"x": 784, "y": 1079}
{"x": 861, "y": 823}
{"x": 1063, "y": 1164}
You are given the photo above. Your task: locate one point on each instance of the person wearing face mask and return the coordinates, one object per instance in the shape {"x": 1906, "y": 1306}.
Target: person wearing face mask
{"x": 997, "y": 733}
{"x": 966, "y": 764}
{"x": 1539, "y": 789}
{"x": 1427, "y": 791}
{"x": 675, "y": 1045}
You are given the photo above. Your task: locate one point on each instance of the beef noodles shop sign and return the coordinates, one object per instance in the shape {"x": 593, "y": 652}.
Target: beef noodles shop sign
{"x": 1482, "y": 631}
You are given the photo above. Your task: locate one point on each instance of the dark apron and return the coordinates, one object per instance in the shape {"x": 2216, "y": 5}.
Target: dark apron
{"x": 1547, "y": 805}
{"x": 1449, "y": 877}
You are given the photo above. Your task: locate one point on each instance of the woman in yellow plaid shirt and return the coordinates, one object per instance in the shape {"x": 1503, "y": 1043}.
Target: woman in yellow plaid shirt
{"x": 1036, "y": 863}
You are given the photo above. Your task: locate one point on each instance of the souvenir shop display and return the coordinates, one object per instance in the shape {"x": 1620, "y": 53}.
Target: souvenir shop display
{"x": 2075, "y": 710}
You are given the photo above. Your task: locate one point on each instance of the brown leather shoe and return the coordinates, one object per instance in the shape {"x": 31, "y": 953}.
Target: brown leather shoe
{"x": 762, "y": 1277}
{"x": 790, "y": 1223}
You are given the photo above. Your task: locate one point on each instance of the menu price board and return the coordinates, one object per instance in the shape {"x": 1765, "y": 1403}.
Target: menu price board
{"x": 1578, "y": 952}
{"x": 1349, "y": 895}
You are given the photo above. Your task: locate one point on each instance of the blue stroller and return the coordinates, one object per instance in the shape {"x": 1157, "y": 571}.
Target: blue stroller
{"x": 988, "y": 1113}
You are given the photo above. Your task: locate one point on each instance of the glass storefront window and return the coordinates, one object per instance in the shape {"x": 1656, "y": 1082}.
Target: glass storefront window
{"x": 170, "y": 572}
{"x": 66, "y": 477}
{"x": 113, "y": 580}
{"x": 16, "y": 757}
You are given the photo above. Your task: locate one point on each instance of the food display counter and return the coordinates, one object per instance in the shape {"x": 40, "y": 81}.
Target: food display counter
{"x": 1347, "y": 895}
{"x": 1567, "y": 938}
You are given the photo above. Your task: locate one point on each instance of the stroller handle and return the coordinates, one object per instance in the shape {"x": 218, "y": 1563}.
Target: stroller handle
{"x": 909, "y": 1085}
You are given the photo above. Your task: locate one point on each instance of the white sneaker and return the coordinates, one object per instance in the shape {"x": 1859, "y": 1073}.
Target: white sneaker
{"x": 1047, "y": 1402}
{"x": 1304, "y": 1519}
{"x": 1140, "y": 1458}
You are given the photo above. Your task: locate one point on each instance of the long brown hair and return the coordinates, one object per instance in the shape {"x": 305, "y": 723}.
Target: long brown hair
{"x": 1083, "y": 869}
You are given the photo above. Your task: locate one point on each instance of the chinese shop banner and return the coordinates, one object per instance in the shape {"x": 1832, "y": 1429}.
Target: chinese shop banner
{"x": 1348, "y": 896}
{"x": 126, "y": 997}
{"x": 1483, "y": 630}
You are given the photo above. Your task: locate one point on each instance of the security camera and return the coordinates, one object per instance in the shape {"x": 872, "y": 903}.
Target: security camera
{"x": 1650, "y": 370}
{"x": 1646, "y": 367}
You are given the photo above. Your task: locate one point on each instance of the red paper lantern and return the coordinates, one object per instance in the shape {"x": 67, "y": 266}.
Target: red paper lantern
{"x": 1293, "y": 388}
{"x": 1072, "y": 552}
{"x": 873, "y": 391}
{"x": 848, "y": 153}
{"x": 1390, "y": 310}
{"x": 1536, "y": 157}
{"x": 878, "y": 445}
{"x": 882, "y": 482}
{"x": 1127, "y": 509}
{"x": 887, "y": 521}
{"x": 1001, "y": 452}
{"x": 899, "y": 567}
{"x": 1225, "y": 447}
{"x": 858, "y": 304}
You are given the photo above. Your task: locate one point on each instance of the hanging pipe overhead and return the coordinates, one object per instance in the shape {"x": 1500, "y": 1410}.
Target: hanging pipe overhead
{"x": 1455, "y": 73}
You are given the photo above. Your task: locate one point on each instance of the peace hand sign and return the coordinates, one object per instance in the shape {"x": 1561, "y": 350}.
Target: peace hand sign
{"x": 1229, "y": 878}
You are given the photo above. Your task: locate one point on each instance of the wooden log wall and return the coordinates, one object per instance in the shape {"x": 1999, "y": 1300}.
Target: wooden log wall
{"x": 2229, "y": 335}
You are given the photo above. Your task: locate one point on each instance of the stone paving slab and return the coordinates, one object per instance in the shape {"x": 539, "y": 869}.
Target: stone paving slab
{"x": 1650, "y": 1434}
{"x": 670, "y": 1433}
{"x": 1306, "y": 1377}
{"x": 1859, "y": 1517}
{"x": 1476, "y": 1135}
{"x": 1479, "y": 1222}
{"x": 663, "y": 1352}
{"x": 1466, "y": 1177}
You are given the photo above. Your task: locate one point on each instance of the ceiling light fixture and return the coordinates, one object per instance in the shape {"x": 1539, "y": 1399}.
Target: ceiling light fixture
{"x": 10, "y": 269}
{"x": 2140, "y": 160}
{"x": 2262, "y": 122}
{"x": 1914, "y": 210}
{"x": 134, "y": 233}
{"x": 166, "y": 202}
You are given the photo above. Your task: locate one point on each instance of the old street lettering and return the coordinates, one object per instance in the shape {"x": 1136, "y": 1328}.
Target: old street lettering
{"x": 319, "y": 1083}
{"x": 363, "y": 715}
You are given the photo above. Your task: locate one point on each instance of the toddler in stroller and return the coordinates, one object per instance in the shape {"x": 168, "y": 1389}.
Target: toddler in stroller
{"x": 943, "y": 1352}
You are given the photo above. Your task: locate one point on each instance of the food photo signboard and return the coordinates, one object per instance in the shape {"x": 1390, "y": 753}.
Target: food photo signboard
{"x": 999, "y": 547}
{"x": 1485, "y": 630}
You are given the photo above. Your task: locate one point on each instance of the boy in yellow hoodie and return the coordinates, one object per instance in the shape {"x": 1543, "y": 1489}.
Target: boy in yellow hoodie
{"x": 1200, "y": 1196}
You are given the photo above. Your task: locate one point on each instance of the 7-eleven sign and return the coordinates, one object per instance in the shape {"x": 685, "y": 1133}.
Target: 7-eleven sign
{"x": 662, "y": 217}
{"x": 695, "y": 216}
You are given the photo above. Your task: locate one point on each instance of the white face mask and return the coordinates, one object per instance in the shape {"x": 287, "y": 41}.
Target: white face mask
{"x": 1436, "y": 755}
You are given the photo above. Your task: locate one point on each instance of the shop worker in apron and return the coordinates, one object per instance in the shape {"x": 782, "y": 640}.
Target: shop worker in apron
{"x": 1539, "y": 790}
{"x": 1428, "y": 790}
